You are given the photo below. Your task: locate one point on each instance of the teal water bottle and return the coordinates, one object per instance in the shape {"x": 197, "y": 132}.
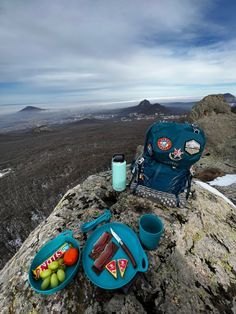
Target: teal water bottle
{"x": 118, "y": 172}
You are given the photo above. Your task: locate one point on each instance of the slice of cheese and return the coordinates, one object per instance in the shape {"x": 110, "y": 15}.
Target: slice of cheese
{"x": 122, "y": 263}
{"x": 111, "y": 267}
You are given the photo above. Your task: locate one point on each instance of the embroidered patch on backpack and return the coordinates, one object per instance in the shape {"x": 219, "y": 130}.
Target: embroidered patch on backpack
{"x": 176, "y": 154}
{"x": 164, "y": 143}
{"x": 192, "y": 147}
{"x": 149, "y": 149}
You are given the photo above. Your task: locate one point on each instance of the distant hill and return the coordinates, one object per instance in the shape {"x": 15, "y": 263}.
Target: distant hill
{"x": 31, "y": 109}
{"x": 146, "y": 108}
{"x": 231, "y": 99}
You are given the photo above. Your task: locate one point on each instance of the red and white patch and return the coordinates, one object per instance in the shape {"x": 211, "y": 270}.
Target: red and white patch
{"x": 122, "y": 263}
{"x": 164, "y": 143}
{"x": 111, "y": 267}
{"x": 176, "y": 154}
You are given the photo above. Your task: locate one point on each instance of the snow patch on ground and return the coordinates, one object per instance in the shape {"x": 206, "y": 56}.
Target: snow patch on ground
{"x": 3, "y": 172}
{"x": 214, "y": 191}
{"x": 226, "y": 180}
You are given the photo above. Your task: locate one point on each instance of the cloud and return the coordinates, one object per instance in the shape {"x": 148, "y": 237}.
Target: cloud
{"x": 112, "y": 50}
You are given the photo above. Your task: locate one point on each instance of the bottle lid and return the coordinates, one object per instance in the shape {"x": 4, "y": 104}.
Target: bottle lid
{"x": 118, "y": 158}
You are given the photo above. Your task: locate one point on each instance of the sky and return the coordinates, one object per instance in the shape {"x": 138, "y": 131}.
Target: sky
{"x": 103, "y": 51}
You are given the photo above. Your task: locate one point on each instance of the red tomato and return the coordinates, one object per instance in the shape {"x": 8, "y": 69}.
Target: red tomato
{"x": 71, "y": 256}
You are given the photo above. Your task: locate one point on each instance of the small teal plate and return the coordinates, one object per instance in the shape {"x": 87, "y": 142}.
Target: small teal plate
{"x": 45, "y": 252}
{"x": 105, "y": 280}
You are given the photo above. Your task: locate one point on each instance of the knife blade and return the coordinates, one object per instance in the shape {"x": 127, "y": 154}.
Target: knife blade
{"x": 124, "y": 247}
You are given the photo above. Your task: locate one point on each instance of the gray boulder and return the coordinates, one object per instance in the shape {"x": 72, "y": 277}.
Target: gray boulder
{"x": 214, "y": 115}
{"x": 208, "y": 105}
{"x": 192, "y": 271}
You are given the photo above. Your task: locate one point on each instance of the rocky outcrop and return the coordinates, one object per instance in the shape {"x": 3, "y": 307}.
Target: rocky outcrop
{"x": 214, "y": 115}
{"x": 192, "y": 271}
{"x": 208, "y": 105}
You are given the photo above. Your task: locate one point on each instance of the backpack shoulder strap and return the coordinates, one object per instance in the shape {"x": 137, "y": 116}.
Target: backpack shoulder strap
{"x": 136, "y": 169}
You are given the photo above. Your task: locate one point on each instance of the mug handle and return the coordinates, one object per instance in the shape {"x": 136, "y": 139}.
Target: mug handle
{"x": 144, "y": 262}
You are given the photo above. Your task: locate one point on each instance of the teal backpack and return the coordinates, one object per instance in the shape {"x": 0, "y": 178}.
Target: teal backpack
{"x": 163, "y": 170}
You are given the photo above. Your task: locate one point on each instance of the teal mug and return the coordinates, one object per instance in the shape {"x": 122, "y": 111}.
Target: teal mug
{"x": 151, "y": 229}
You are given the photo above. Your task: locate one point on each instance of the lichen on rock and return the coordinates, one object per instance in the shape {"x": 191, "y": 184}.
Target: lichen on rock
{"x": 192, "y": 271}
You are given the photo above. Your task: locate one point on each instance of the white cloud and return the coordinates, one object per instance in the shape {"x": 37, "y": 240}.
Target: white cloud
{"x": 111, "y": 49}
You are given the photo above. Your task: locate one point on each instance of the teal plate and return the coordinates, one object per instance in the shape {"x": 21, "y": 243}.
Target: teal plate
{"x": 105, "y": 280}
{"x": 48, "y": 250}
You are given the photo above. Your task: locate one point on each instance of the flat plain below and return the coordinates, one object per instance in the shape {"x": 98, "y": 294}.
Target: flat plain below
{"x": 46, "y": 163}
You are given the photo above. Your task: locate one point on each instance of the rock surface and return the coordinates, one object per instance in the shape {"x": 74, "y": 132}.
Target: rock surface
{"x": 229, "y": 191}
{"x": 192, "y": 271}
{"x": 208, "y": 105}
{"x": 213, "y": 114}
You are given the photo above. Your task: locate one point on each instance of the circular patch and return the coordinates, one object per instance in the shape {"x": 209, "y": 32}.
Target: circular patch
{"x": 164, "y": 143}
